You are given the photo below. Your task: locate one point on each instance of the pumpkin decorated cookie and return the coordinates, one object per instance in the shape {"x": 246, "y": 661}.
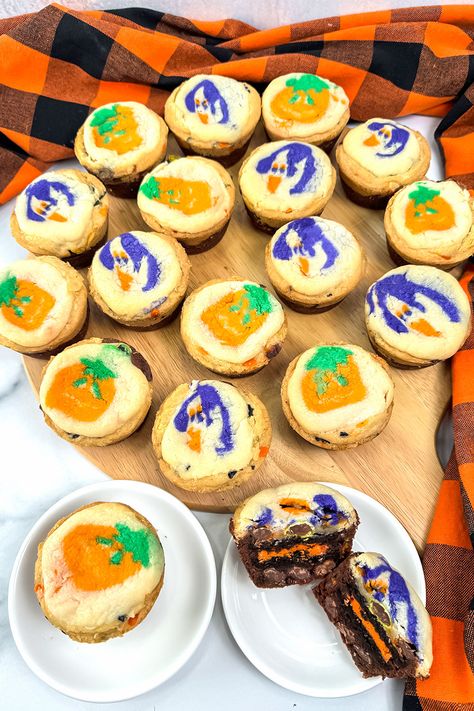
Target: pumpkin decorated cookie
{"x": 119, "y": 143}
{"x": 213, "y": 116}
{"x": 63, "y": 213}
{"x": 139, "y": 278}
{"x": 285, "y": 180}
{"x": 99, "y": 571}
{"x": 190, "y": 199}
{"x": 96, "y": 392}
{"x": 305, "y": 107}
{"x": 431, "y": 223}
{"x": 43, "y": 306}
{"x": 417, "y": 315}
{"x": 313, "y": 263}
{"x": 232, "y": 326}
{"x": 210, "y": 435}
{"x": 378, "y": 157}
{"x": 337, "y": 396}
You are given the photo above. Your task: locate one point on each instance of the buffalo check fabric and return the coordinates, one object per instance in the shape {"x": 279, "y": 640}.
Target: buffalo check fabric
{"x": 59, "y": 64}
{"x": 448, "y": 560}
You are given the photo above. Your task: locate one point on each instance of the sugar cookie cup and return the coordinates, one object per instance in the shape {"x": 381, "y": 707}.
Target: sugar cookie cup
{"x": 213, "y": 116}
{"x": 99, "y": 571}
{"x": 232, "y": 326}
{"x": 305, "y": 107}
{"x": 190, "y": 199}
{"x": 337, "y": 396}
{"x": 43, "y": 306}
{"x": 96, "y": 392}
{"x": 209, "y": 436}
{"x": 416, "y": 316}
{"x": 430, "y": 223}
{"x": 119, "y": 143}
{"x": 285, "y": 180}
{"x": 62, "y": 213}
{"x": 139, "y": 279}
{"x": 313, "y": 263}
{"x": 379, "y": 157}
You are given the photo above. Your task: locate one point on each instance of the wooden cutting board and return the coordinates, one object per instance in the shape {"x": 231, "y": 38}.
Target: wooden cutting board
{"x": 399, "y": 468}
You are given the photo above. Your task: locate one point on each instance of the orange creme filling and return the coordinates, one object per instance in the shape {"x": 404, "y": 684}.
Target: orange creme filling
{"x": 435, "y": 214}
{"x": 335, "y": 394}
{"x": 33, "y": 311}
{"x": 300, "y": 110}
{"x": 188, "y": 196}
{"x": 226, "y": 321}
{"x": 294, "y": 506}
{"x": 89, "y": 562}
{"x": 310, "y": 549}
{"x": 80, "y": 403}
{"x": 370, "y": 629}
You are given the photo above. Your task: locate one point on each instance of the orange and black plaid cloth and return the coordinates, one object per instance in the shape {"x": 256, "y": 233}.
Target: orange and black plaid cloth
{"x": 58, "y": 64}
{"x": 448, "y": 560}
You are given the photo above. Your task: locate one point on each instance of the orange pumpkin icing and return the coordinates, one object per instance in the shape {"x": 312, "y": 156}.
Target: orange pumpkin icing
{"x": 116, "y": 129}
{"x": 332, "y": 380}
{"x": 24, "y": 304}
{"x": 238, "y": 314}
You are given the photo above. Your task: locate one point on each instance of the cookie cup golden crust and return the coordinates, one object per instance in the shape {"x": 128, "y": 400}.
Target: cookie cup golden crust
{"x": 434, "y": 257}
{"x": 194, "y": 239}
{"x": 77, "y": 318}
{"x": 101, "y": 634}
{"x": 318, "y": 138}
{"x": 212, "y": 149}
{"x": 306, "y": 301}
{"x": 366, "y": 184}
{"x": 262, "y": 436}
{"x": 232, "y": 370}
{"x": 172, "y": 302}
{"x": 122, "y": 432}
{"x": 97, "y": 228}
{"x": 130, "y": 173}
{"x": 372, "y": 427}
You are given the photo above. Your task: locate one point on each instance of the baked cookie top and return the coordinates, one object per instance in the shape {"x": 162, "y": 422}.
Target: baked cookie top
{"x": 210, "y": 431}
{"x": 212, "y": 108}
{"x": 296, "y": 504}
{"x": 92, "y": 389}
{"x": 421, "y": 311}
{"x": 395, "y": 603}
{"x": 314, "y": 255}
{"x": 285, "y": 175}
{"x": 431, "y": 216}
{"x": 187, "y": 194}
{"x": 121, "y": 134}
{"x": 55, "y": 211}
{"x": 301, "y": 105}
{"x": 37, "y": 297}
{"x": 99, "y": 564}
{"x": 232, "y": 320}
{"x": 136, "y": 272}
{"x": 383, "y": 147}
{"x": 337, "y": 388}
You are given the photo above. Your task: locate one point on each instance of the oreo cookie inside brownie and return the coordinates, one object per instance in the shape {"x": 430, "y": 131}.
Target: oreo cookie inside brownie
{"x": 293, "y": 534}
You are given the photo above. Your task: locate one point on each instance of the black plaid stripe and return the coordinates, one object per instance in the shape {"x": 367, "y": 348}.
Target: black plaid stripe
{"x": 144, "y": 17}
{"x": 396, "y": 62}
{"x": 81, "y": 44}
{"x": 57, "y": 121}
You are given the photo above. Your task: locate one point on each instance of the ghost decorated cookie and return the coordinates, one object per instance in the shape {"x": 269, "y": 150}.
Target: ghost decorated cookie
{"x": 43, "y": 305}
{"x": 430, "y": 223}
{"x": 232, "y": 326}
{"x": 378, "y": 157}
{"x": 213, "y": 116}
{"x": 285, "y": 180}
{"x": 305, "y": 107}
{"x": 313, "y": 263}
{"x": 119, "y": 143}
{"x": 63, "y": 213}
{"x": 96, "y": 392}
{"x": 99, "y": 571}
{"x": 337, "y": 396}
{"x": 190, "y": 199}
{"x": 417, "y": 315}
{"x": 139, "y": 278}
{"x": 209, "y": 435}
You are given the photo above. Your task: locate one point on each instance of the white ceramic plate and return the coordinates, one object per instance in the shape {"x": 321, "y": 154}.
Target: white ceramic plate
{"x": 286, "y": 634}
{"x": 123, "y": 667}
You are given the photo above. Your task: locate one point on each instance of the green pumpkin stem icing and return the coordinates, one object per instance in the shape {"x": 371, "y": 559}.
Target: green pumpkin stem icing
{"x": 105, "y": 119}
{"x": 97, "y": 369}
{"x": 151, "y": 188}
{"x": 328, "y": 359}
{"x": 422, "y": 195}
{"x": 138, "y": 543}
{"x": 258, "y": 300}
{"x": 8, "y": 295}
{"x": 305, "y": 83}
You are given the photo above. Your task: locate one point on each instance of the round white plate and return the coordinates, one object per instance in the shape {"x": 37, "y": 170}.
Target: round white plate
{"x": 123, "y": 667}
{"x": 286, "y": 634}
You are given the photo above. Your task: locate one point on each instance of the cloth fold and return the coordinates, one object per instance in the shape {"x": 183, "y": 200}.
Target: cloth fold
{"x": 58, "y": 64}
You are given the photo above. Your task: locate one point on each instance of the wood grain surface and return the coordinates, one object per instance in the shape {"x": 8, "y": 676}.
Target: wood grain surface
{"x": 399, "y": 468}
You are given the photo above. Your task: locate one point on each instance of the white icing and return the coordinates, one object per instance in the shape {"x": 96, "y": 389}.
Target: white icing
{"x": 365, "y": 155}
